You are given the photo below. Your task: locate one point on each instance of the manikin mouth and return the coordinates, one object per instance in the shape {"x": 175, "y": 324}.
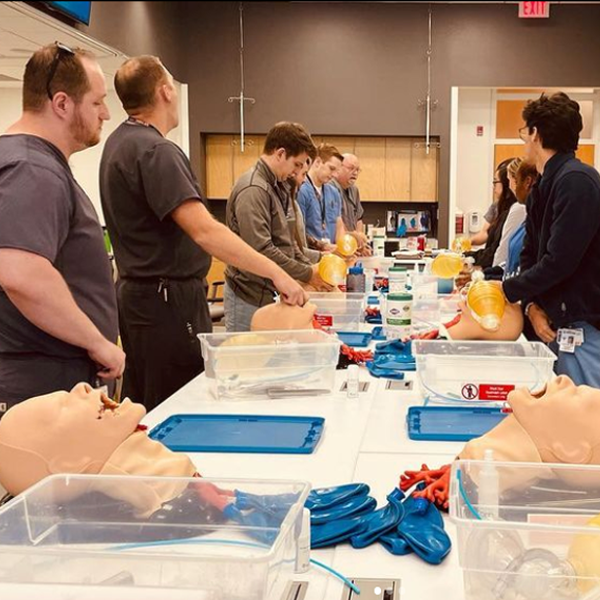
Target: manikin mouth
{"x": 106, "y": 404}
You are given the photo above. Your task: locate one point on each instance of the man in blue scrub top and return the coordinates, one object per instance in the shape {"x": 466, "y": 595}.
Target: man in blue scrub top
{"x": 319, "y": 199}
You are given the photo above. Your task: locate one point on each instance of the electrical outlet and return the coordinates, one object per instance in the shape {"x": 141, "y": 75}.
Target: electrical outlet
{"x": 363, "y": 386}
{"x": 295, "y": 590}
{"x": 374, "y": 589}
{"x": 399, "y": 385}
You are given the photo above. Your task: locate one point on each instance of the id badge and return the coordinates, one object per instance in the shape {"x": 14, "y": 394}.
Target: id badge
{"x": 569, "y": 339}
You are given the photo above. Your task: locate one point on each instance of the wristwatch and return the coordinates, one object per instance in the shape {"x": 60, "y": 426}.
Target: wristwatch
{"x": 528, "y": 308}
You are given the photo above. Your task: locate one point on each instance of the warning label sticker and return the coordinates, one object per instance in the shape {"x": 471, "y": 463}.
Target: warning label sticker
{"x": 324, "y": 320}
{"x": 494, "y": 391}
{"x": 469, "y": 391}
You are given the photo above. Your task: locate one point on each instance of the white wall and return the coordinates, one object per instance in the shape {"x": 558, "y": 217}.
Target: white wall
{"x": 85, "y": 165}
{"x": 474, "y": 168}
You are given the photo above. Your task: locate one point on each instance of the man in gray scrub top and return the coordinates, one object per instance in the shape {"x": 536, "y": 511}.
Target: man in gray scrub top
{"x": 163, "y": 236}
{"x": 58, "y": 311}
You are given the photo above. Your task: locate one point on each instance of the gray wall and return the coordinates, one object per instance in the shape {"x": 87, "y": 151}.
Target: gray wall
{"x": 358, "y": 68}
{"x": 142, "y": 28}
{"x": 352, "y": 68}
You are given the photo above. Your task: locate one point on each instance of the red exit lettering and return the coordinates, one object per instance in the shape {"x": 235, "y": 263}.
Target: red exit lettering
{"x": 534, "y": 10}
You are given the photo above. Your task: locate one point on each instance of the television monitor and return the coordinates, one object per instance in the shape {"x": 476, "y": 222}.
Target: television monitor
{"x": 80, "y": 11}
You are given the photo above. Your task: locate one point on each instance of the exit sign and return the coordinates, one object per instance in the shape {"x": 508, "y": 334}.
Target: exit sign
{"x": 534, "y": 10}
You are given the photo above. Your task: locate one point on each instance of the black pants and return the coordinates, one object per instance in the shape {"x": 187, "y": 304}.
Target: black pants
{"x": 28, "y": 375}
{"x": 159, "y": 322}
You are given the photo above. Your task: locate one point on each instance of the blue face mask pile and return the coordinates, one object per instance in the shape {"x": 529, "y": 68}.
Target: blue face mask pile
{"x": 405, "y": 524}
{"x": 391, "y": 359}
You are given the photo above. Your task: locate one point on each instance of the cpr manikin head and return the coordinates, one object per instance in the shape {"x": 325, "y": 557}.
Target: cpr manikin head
{"x": 559, "y": 425}
{"x": 62, "y": 432}
{"x": 84, "y": 432}
{"x": 283, "y": 316}
{"x": 511, "y": 326}
{"x": 563, "y": 423}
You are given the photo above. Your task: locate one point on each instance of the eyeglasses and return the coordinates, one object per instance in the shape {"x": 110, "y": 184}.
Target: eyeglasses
{"x": 350, "y": 169}
{"x": 495, "y": 181}
{"x": 523, "y": 131}
{"x": 61, "y": 51}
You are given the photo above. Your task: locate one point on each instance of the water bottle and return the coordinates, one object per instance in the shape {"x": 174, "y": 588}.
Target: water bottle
{"x": 356, "y": 280}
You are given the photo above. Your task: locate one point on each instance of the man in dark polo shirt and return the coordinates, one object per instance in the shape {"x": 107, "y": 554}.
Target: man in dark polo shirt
{"x": 163, "y": 236}
{"x": 58, "y": 312}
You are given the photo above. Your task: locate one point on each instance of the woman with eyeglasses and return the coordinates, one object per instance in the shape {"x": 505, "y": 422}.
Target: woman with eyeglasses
{"x": 504, "y": 199}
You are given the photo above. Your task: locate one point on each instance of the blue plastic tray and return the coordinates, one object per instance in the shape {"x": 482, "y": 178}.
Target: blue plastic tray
{"x": 450, "y": 423}
{"x": 356, "y": 339}
{"x": 240, "y": 433}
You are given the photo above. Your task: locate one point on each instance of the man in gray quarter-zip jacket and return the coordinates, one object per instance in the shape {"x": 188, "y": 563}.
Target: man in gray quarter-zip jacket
{"x": 260, "y": 211}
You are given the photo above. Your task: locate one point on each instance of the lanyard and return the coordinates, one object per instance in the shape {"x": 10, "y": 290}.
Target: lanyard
{"x": 321, "y": 199}
{"x": 134, "y": 121}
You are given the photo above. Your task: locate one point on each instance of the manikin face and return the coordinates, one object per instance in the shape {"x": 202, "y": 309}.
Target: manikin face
{"x": 283, "y": 316}
{"x": 511, "y": 325}
{"x": 90, "y": 114}
{"x": 562, "y": 422}
{"x": 63, "y": 432}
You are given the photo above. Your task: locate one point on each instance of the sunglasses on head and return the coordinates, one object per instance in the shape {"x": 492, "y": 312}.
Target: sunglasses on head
{"x": 61, "y": 52}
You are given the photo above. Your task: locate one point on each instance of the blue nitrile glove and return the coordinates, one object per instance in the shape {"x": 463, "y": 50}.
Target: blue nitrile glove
{"x": 421, "y": 531}
{"x": 261, "y": 526}
{"x": 376, "y": 371}
{"x": 374, "y": 319}
{"x": 353, "y": 507}
{"x": 273, "y": 504}
{"x": 397, "y": 347}
{"x": 381, "y": 521}
{"x": 377, "y": 333}
{"x": 395, "y": 361}
{"x": 330, "y": 534}
{"x": 321, "y": 498}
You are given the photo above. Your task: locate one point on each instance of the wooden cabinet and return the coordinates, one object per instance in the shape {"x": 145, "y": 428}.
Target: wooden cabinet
{"x": 225, "y": 161}
{"x": 393, "y": 169}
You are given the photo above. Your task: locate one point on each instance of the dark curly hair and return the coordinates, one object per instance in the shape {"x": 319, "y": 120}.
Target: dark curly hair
{"x": 557, "y": 119}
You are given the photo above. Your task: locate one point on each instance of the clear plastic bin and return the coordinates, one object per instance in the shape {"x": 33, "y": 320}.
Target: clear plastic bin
{"x": 430, "y": 313}
{"x": 70, "y": 537}
{"x": 381, "y": 263}
{"x": 270, "y": 364}
{"x": 452, "y": 372}
{"x": 527, "y": 531}
{"x": 339, "y": 312}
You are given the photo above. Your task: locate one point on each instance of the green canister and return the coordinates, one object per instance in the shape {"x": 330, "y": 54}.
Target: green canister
{"x": 398, "y": 321}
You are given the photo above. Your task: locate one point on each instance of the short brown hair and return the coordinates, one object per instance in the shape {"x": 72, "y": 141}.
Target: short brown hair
{"x": 136, "y": 82}
{"x": 327, "y": 151}
{"x": 69, "y": 77}
{"x": 292, "y": 137}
